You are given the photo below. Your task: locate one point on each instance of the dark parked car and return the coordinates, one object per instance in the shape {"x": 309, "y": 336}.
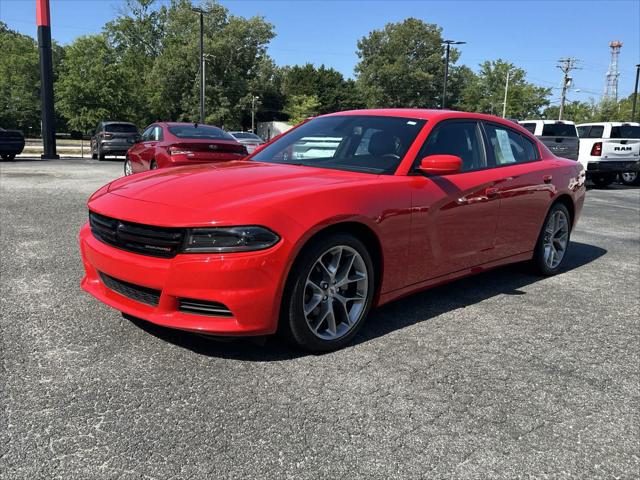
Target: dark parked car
{"x": 11, "y": 143}
{"x": 560, "y": 136}
{"x": 113, "y": 138}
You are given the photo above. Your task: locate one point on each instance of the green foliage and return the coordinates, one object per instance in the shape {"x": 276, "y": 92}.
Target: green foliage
{"x": 301, "y": 107}
{"x": 484, "y": 92}
{"x": 578, "y": 112}
{"x": 605, "y": 111}
{"x": 402, "y": 65}
{"x": 333, "y": 92}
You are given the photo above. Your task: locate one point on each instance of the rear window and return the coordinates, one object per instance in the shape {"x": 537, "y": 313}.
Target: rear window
{"x": 530, "y": 126}
{"x": 246, "y": 135}
{"x": 120, "y": 128}
{"x": 625, "y": 131}
{"x": 559, "y": 130}
{"x": 199, "y": 131}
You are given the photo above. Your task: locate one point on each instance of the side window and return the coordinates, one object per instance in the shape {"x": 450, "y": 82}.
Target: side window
{"x": 596, "y": 131}
{"x": 98, "y": 128}
{"x": 530, "y": 149}
{"x": 147, "y": 134}
{"x": 530, "y": 126}
{"x": 462, "y": 139}
{"x": 508, "y": 147}
{"x": 583, "y": 132}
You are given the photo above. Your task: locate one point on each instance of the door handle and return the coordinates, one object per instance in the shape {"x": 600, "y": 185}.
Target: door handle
{"x": 492, "y": 192}
{"x": 547, "y": 178}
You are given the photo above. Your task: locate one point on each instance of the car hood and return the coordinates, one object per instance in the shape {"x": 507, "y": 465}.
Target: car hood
{"x": 226, "y": 185}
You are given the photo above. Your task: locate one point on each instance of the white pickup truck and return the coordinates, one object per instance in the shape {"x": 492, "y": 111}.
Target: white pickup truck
{"x": 609, "y": 149}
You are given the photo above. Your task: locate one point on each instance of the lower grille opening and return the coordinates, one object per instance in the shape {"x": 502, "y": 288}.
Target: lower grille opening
{"x": 135, "y": 292}
{"x": 203, "y": 307}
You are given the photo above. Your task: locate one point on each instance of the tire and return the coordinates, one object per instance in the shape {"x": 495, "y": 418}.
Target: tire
{"x": 128, "y": 169}
{"x": 602, "y": 180}
{"x": 94, "y": 155}
{"x": 8, "y": 157}
{"x": 331, "y": 321}
{"x": 631, "y": 179}
{"x": 153, "y": 165}
{"x": 101, "y": 156}
{"x": 554, "y": 238}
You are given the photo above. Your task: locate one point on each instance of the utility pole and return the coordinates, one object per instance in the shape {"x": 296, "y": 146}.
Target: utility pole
{"x": 635, "y": 94}
{"x": 253, "y": 113}
{"x": 202, "y": 65}
{"x": 43, "y": 20}
{"x": 448, "y": 44}
{"x": 566, "y": 65}
{"x": 506, "y": 92}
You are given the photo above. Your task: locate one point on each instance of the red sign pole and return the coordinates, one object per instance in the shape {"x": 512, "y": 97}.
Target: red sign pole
{"x": 43, "y": 20}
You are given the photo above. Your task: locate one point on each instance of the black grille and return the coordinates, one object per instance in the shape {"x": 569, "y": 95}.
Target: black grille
{"x": 132, "y": 291}
{"x": 203, "y": 307}
{"x": 134, "y": 237}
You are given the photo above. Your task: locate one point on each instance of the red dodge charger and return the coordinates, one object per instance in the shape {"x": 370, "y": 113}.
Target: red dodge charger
{"x": 170, "y": 144}
{"x": 343, "y": 213}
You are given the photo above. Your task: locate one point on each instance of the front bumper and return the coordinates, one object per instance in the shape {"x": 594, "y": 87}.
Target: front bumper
{"x": 613, "y": 166}
{"x": 249, "y": 284}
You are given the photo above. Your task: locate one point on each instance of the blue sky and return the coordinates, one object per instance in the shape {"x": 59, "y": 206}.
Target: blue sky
{"x": 531, "y": 34}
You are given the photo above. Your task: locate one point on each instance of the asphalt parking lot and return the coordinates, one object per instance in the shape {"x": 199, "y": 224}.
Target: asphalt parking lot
{"x": 504, "y": 375}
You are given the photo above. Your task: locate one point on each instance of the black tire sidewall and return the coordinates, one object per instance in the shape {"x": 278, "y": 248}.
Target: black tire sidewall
{"x": 538, "y": 258}
{"x": 603, "y": 180}
{"x": 292, "y": 318}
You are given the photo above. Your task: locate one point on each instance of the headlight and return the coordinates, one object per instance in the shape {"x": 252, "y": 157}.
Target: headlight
{"x": 230, "y": 239}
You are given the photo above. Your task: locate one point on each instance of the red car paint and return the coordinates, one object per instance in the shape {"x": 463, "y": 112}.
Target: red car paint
{"x": 168, "y": 150}
{"x": 429, "y": 229}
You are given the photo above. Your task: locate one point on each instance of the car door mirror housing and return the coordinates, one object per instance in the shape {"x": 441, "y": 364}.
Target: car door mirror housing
{"x": 440, "y": 165}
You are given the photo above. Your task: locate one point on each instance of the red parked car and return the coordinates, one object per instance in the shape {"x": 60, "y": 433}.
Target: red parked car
{"x": 407, "y": 199}
{"x": 169, "y": 144}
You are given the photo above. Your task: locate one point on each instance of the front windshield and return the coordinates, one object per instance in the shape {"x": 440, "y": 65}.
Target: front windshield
{"x": 359, "y": 143}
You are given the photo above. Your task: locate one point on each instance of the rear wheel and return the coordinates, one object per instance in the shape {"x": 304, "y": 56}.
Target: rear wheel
{"x": 100, "y": 155}
{"x": 602, "y": 180}
{"x": 7, "y": 157}
{"x": 553, "y": 241}
{"x": 329, "y": 293}
{"x": 153, "y": 165}
{"x": 128, "y": 169}
{"x": 630, "y": 178}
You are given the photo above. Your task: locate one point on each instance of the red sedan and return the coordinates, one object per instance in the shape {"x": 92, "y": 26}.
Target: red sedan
{"x": 341, "y": 214}
{"x": 169, "y": 144}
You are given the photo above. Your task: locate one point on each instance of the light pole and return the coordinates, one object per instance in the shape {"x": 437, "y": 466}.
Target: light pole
{"x": 43, "y": 20}
{"x": 253, "y": 112}
{"x": 506, "y": 92}
{"x": 448, "y": 44}
{"x": 202, "y": 67}
{"x": 635, "y": 94}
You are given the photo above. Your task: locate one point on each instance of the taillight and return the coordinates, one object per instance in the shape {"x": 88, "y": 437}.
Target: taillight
{"x": 173, "y": 150}
{"x": 108, "y": 136}
{"x": 596, "y": 150}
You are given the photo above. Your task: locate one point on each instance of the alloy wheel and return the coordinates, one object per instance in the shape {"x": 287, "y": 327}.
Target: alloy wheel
{"x": 128, "y": 170}
{"x": 335, "y": 293}
{"x": 556, "y": 239}
{"x": 629, "y": 177}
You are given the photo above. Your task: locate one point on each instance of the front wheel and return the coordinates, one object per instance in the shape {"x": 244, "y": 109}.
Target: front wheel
{"x": 553, "y": 241}
{"x": 602, "y": 180}
{"x": 631, "y": 179}
{"x": 329, "y": 293}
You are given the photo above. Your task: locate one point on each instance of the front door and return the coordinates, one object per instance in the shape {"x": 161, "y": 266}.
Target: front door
{"x": 454, "y": 217}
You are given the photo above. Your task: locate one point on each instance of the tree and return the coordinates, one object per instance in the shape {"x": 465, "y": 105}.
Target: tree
{"x": 301, "y": 107}
{"x": 91, "y": 86}
{"x": 403, "y": 65}
{"x": 20, "y": 80}
{"x": 578, "y": 112}
{"x": 485, "y": 91}
{"x": 333, "y": 92}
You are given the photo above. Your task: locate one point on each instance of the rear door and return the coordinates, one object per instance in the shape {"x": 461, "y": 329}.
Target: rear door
{"x": 524, "y": 188}
{"x": 454, "y": 217}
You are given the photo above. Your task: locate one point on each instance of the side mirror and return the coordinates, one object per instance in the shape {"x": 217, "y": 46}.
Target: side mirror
{"x": 440, "y": 164}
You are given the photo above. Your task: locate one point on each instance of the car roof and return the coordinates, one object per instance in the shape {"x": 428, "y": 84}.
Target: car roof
{"x": 613, "y": 124}
{"x": 547, "y": 122}
{"x": 112, "y": 122}
{"x": 176, "y": 124}
{"x": 429, "y": 115}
